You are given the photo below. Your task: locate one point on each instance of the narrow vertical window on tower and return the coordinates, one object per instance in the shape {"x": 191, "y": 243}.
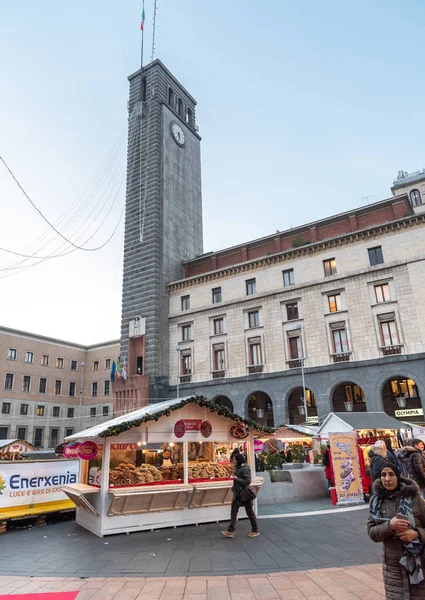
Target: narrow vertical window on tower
{"x": 189, "y": 116}
{"x": 170, "y": 97}
{"x": 144, "y": 89}
{"x": 180, "y": 107}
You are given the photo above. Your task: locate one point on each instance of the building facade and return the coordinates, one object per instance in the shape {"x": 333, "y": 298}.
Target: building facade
{"x": 342, "y": 297}
{"x": 41, "y": 381}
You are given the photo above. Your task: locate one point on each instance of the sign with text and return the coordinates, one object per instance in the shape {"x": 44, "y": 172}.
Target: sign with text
{"x": 25, "y": 483}
{"x": 409, "y": 412}
{"x": 87, "y": 450}
{"x": 186, "y": 426}
{"x": 123, "y": 446}
{"x": 345, "y": 462}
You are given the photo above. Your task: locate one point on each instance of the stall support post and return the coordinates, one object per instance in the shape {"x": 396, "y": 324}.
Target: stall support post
{"x": 251, "y": 455}
{"x": 185, "y": 463}
{"x": 104, "y": 481}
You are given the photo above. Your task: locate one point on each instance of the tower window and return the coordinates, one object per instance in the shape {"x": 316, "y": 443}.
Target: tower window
{"x": 415, "y": 198}
{"x": 170, "y": 97}
{"x": 189, "y": 116}
{"x": 180, "y": 107}
{"x": 144, "y": 89}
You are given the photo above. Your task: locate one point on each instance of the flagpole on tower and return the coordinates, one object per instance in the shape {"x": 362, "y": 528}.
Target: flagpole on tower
{"x": 142, "y": 27}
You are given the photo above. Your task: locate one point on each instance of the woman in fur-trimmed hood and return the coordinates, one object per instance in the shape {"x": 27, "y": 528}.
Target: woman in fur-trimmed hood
{"x": 397, "y": 518}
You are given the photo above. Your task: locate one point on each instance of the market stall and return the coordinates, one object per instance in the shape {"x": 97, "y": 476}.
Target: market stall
{"x": 13, "y": 449}
{"x": 368, "y": 427}
{"x": 163, "y": 465}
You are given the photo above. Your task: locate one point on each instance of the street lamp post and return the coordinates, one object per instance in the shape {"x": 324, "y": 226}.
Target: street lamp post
{"x": 300, "y": 329}
{"x": 83, "y": 364}
{"x": 178, "y": 370}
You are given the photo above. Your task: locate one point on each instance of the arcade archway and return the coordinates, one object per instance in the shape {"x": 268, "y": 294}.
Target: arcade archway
{"x": 296, "y": 405}
{"x": 348, "y": 397}
{"x": 223, "y": 401}
{"x": 260, "y": 408}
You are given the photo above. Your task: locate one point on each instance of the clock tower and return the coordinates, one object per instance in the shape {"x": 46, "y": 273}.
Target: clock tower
{"x": 163, "y": 225}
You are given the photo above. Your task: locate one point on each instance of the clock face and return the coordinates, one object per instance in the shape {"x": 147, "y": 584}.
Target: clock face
{"x": 178, "y": 134}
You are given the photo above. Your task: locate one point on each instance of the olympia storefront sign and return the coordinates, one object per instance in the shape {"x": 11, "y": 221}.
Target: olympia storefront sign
{"x": 410, "y": 412}
{"x": 24, "y": 483}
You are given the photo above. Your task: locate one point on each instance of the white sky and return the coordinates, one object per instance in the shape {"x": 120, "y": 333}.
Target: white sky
{"x": 304, "y": 108}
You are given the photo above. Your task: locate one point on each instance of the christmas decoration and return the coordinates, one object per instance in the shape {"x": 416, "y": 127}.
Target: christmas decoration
{"x": 223, "y": 411}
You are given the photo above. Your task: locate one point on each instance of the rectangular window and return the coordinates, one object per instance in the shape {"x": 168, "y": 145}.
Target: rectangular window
{"x": 54, "y": 437}
{"x": 9, "y": 381}
{"x": 218, "y": 326}
{"x": 389, "y": 333}
{"x": 186, "y": 333}
{"x": 334, "y": 302}
{"x": 94, "y": 389}
{"x": 107, "y": 363}
{"x": 219, "y": 358}
{"x": 58, "y": 387}
{"x": 106, "y": 387}
{"x": 288, "y": 277}
{"x": 292, "y": 311}
{"x": 21, "y": 433}
{"x": 294, "y": 347}
{"x": 74, "y": 365}
{"x": 105, "y": 411}
{"x": 29, "y": 357}
{"x": 375, "y": 256}
{"x": 329, "y": 267}
{"x": 45, "y": 359}
{"x": 71, "y": 390}
{"x": 5, "y": 408}
{"x": 254, "y": 319}
{"x": 56, "y": 411}
{"x": 382, "y": 292}
{"x": 185, "y": 302}
{"x": 24, "y": 409}
{"x": 251, "y": 287}
{"x": 40, "y": 410}
{"x": 93, "y": 411}
{"x": 95, "y": 365}
{"x": 26, "y": 383}
{"x": 186, "y": 362}
{"x": 38, "y": 437}
{"x": 255, "y": 354}
{"x": 59, "y": 363}
{"x": 69, "y": 431}
{"x": 339, "y": 341}
{"x": 139, "y": 365}
{"x": 70, "y": 412}
{"x": 42, "y": 386}
{"x": 3, "y": 433}
{"x": 12, "y": 354}
{"x": 216, "y": 295}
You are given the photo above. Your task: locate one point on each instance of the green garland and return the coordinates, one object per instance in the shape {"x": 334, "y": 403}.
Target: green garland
{"x": 200, "y": 401}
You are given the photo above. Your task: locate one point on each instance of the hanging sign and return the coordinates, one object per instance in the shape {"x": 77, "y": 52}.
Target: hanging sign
{"x": 179, "y": 429}
{"x": 87, "y": 450}
{"x": 71, "y": 450}
{"x": 123, "y": 446}
{"x": 239, "y": 431}
{"x": 345, "y": 462}
{"x": 206, "y": 429}
{"x": 258, "y": 446}
{"x": 410, "y": 412}
{"x": 187, "y": 426}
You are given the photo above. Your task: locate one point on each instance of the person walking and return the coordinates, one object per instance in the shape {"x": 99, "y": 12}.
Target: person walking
{"x": 327, "y": 463}
{"x": 414, "y": 456}
{"x": 377, "y": 456}
{"x": 397, "y": 519}
{"x": 241, "y": 482}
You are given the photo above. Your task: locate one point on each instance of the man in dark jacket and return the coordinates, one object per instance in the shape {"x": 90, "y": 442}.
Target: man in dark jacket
{"x": 415, "y": 461}
{"x": 377, "y": 457}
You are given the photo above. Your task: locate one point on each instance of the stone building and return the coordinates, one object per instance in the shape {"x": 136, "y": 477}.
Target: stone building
{"x": 41, "y": 382}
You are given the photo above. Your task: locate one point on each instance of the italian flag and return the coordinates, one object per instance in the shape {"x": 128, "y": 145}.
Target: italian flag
{"x": 142, "y": 24}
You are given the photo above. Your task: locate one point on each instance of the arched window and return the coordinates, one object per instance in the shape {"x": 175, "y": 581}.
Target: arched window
{"x": 180, "y": 107}
{"x": 170, "y": 97}
{"x": 415, "y": 198}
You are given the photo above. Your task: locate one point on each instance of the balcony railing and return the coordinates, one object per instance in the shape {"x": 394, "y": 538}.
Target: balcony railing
{"x": 294, "y": 363}
{"x": 341, "y": 357}
{"x": 255, "y": 368}
{"x": 218, "y": 374}
{"x": 389, "y": 350}
{"x": 185, "y": 378}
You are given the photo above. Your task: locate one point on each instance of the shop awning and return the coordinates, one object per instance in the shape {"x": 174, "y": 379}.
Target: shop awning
{"x": 340, "y": 422}
{"x": 158, "y": 410}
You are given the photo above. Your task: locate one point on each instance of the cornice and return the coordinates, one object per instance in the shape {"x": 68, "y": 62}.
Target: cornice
{"x": 293, "y": 253}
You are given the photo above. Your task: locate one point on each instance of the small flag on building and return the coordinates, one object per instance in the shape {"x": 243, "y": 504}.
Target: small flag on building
{"x": 124, "y": 372}
{"x": 113, "y": 371}
{"x": 118, "y": 374}
{"x": 142, "y": 24}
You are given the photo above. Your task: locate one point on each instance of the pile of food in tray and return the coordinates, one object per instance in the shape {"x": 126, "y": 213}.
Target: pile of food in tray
{"x": 209, "y": 470}
{"x": 128, "y": 474}
{"x": 172, "y": 473}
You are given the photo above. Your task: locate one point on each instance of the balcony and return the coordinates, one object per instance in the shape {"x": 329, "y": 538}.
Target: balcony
{"x": 218, "y": 374}
{"x": 255, "y": 369}
{"x": 294, "y": 363}
{"x": 341, "y": 357}
{"x": 185, "y": 378}
{"x": 390, "y": 350}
